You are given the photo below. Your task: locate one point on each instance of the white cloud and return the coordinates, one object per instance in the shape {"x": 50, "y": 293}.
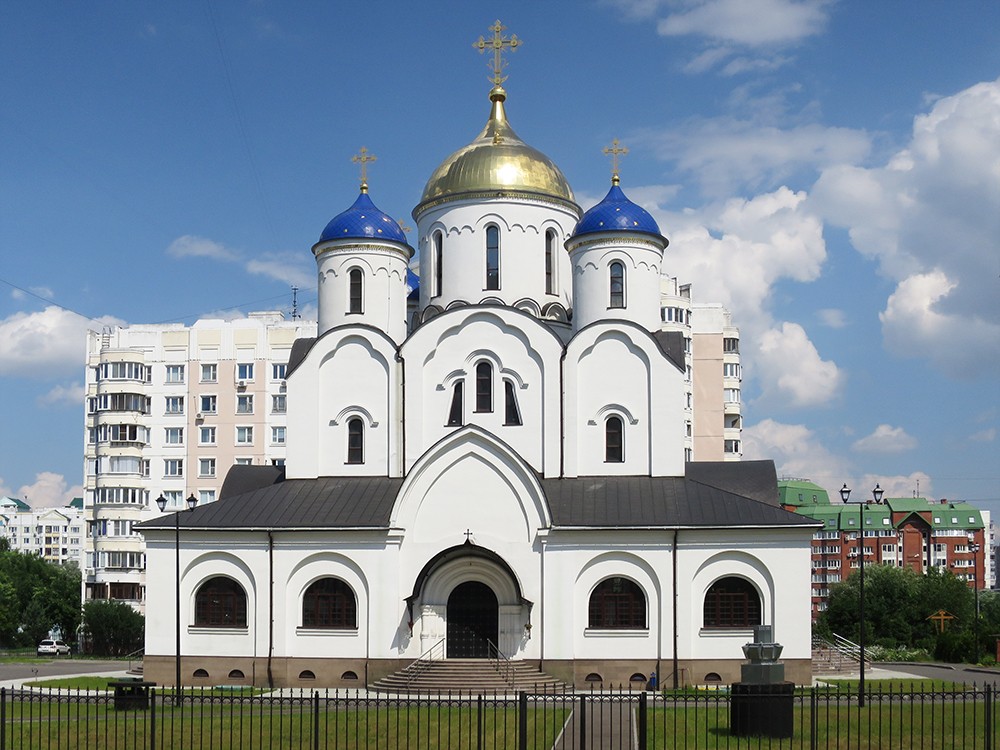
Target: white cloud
{"x": 190, "y": 246}
{"x": 886, "y": 439}
{"x": 638, "y": 9}
{"x": 796, "y": 451}
{"x": 64, "y": 395}
{"x": 832, "y": 317}
{"x": 753, "y": 23}
{"x": 47, "y": 344}
{"x": 917, "y": 484}
{"x": 48, "y": 491}
{"x": 929, "y": 218}
{"x": 984, "y": 436}
{"x": 725, "y": 154}
{"x": 38, "y": 291}
{"x": 791, "y": 370}
{"x": 289, "y": 269}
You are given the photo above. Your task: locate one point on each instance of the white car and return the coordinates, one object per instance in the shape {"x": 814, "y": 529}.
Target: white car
{"x": 52, "y": 648}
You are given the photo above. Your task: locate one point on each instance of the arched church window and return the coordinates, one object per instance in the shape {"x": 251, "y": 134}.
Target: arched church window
{"x": 484, "y": 387}
{"x": 617, "y": 282}
{"x": 355, "y": 301}
{"x": 617, "y": 604}
{"x": 492, "y": 257}
{"x": 455, "y": 412}
{"x": 614, "y": 440}
{"x": 438, "y": 263}
{"x": 355, "y": 441}
{"x": 511, "y": 414}
{"x": 329, "y": 603}
{"x": 220, "y": 603}
{"x": 550, "y": 262}
{"x": 732, "y": 602}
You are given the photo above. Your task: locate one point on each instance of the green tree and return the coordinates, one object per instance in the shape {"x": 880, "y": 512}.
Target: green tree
{"x": 41, "y": 594}
{"x": 114, "y": 628}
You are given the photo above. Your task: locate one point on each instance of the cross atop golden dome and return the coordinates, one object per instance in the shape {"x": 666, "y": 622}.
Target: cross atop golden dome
{"x": 498, "y": 43}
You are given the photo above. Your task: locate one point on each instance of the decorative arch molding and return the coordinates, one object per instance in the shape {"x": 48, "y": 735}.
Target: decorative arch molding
{"x": 533, "y": 334}
{"x": 450, "y": 379}
{"x": 429, "y": 312}
{"x": 733, "y": 564}
{"x": 490, "y": 301}
{"x": 493, "y": 218}
{"x": 318, "y": 565}
{"x": 618, "y": 564}
{"x": 352, "y": 411}
{"x": 457, "y": 303}
{"x": 638, "y": 340}
{"x": 466, "y": 562}
{"x": 617, "y": 409}
{"x": 218, "y": 563}
{"x": 529, "y": 306}
{"x": 555, "y": 311}
{"x": 471, "y": 441}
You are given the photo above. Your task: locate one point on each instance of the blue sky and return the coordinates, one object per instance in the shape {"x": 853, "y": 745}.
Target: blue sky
{"x": 828, "y": 170}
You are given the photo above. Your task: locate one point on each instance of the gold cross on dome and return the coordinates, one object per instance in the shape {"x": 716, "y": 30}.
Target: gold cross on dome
{"x": 614, "y": 151}
{"x": 363, "y": 158}
{"x": 497, "y": 44}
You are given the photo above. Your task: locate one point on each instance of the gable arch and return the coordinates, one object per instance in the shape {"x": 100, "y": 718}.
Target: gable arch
{"x": 507, "y": 488}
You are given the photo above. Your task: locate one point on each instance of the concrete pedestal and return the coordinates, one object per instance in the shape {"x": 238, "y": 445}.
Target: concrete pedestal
{"x": 761, "y": 710}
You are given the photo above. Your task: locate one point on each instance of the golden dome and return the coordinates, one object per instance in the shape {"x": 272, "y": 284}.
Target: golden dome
{"x": 497, "y": 161}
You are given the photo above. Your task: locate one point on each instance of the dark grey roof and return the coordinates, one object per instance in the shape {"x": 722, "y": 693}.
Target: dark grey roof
{"x": 324, "y": 503}
{"x": 754, "y": 479}
{"x": 671, "y": 343}
{"x": 300, "y": 348}
{"x": 704, "y": 499}
{"x": 657, "y": 502}
{"x": 242, "y": 478}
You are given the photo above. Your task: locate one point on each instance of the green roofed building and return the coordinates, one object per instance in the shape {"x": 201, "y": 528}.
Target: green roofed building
{"x": 903, "y": 531}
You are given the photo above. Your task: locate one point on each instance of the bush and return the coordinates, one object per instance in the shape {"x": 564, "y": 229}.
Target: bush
{"x": 113, "y": 628}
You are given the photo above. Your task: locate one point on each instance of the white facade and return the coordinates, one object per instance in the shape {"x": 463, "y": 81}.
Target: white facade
{"x": 169, "y": 409}
{"x": 55, "y": 534}
{"x": 505, "y": 473}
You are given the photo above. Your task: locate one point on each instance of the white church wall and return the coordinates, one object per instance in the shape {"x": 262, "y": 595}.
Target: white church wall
{"x": 521, "y": 350}
{"x": 592, "y": 256}
{"x": 355, "y": 374}
{"x": 522, "y": 224}
{"x": 384, "y": 291}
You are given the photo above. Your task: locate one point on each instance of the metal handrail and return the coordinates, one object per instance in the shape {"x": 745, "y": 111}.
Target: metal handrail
{"x": 846, "y": 648}
{"x": 501, "y": 663}
{"x": 137, "y": 655}
{"x": 419, "y": 665}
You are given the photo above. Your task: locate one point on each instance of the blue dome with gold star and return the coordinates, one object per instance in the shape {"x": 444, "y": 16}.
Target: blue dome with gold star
{"x": 616, "y": 213}
{"x": 363, "y": 220}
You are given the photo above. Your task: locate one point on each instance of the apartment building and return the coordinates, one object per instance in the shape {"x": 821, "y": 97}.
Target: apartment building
{"x": 908, "y": 532}
{"x": 713, "y": 416}
{"x": 169, "y": 408}
{"x": 55, "y": 534}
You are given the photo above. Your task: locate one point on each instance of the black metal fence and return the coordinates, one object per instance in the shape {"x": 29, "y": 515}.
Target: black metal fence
{"x": 960, "y": 718}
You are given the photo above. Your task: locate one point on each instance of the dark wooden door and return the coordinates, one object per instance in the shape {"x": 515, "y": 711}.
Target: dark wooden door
{"x": 473, "y": 619}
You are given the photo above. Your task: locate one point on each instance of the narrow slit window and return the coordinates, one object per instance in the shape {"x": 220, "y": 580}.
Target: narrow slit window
{"x": 550, "y": 262}
{"x": 614, "y": 441}
{"x": 356, "y": 291}
{"x": 617, "y": 272}
{"x": 455, "y": 412}
{"x": 438, "y": 263}
{"x": 512, "y": 415}
{"x": 492, "y": 257}
{"x": 484, "y": 387}
{"x": 355, "y": 441}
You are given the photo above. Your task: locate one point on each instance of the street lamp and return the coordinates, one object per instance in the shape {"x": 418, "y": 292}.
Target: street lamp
{"x": 974, "y": 548}
{"x": 161, "y": 503}
{"x": 845, "y": 495}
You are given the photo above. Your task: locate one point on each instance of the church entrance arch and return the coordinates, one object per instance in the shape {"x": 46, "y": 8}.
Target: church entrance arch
{"x": 473, "y": 621}
{"x": 465, "y": 596}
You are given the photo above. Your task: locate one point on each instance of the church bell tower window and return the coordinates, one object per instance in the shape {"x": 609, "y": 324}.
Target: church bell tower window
{"x": 512, "y": 415}
{"x": 484, "y": 387}
{"x": 355, "y": 441}
{"x": 455, "y": 412}
{"x": 614, "y": 441}
{"x": 617, "y": 279}
{"x": 550, "y": 262}
{"x": 492, "y": 257}
{"x": 356, "y": 292}
{"x": 438, "y": 264}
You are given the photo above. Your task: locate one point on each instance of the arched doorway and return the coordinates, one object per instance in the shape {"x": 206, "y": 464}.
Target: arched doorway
{"x": 473, "y": 619}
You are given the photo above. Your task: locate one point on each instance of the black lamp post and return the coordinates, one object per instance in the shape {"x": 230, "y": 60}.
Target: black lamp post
{"x": 845, "y": 495}
{"x": 161, "y": 503}
{"x": 974, "y": 548}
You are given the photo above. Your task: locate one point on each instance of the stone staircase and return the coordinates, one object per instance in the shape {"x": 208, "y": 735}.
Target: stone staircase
{"x": 834, "y": 658}
{"x": 467, "y": 676}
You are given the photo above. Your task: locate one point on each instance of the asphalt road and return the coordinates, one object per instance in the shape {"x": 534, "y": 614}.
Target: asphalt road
{"x": 57, "y": 668}
{"x": 951, "y": 672}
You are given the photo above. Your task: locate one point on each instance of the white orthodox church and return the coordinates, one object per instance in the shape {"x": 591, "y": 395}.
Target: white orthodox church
{"x": 495, "y": 466}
